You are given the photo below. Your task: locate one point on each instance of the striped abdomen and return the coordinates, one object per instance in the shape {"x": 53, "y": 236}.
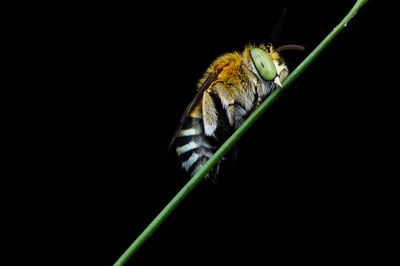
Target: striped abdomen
{"x": 192, "y": 146}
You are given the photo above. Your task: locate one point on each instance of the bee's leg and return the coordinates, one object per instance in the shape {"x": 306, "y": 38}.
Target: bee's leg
{"x": 227, "y": 101}
{"x": 212, "y": 175}
{"x": 260, "y": 95}
{"x": 210, "y": 114}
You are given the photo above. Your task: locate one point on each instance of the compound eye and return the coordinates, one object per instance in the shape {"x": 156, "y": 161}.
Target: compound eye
{"x": 263, "y": 63}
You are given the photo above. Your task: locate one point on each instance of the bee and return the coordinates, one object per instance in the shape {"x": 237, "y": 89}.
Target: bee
{"x": 233, "y": 86}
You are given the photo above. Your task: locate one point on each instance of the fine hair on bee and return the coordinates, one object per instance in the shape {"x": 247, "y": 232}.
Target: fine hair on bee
{"x": 232, "y": 87}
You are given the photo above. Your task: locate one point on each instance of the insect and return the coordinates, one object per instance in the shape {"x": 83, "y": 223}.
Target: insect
{"x": 232, "y": 87}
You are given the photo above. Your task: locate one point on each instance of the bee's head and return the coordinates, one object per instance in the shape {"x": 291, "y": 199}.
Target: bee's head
{"x": 268, "y": 63}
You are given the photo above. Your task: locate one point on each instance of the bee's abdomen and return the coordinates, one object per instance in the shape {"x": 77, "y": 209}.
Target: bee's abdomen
{"x": 192, "y": 146}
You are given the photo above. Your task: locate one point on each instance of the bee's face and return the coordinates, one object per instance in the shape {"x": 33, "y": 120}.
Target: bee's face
{"x": 266, "y": 64}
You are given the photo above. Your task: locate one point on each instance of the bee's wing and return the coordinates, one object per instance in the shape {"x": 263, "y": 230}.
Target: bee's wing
{"x": 206, "y": 84}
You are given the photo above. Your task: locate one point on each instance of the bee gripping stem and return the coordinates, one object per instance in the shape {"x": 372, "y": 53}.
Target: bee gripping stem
{"x": 195, "y": 180}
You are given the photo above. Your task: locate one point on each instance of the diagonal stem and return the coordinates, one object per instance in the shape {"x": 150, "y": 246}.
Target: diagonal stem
{"x": 195, "y": 180}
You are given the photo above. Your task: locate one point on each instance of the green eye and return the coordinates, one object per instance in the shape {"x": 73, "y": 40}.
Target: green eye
{"x": 263, "y": 63}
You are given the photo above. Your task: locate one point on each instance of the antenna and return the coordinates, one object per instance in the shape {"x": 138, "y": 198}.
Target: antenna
{"x": 294, "y": 47}
{"x": 277, "y": 27}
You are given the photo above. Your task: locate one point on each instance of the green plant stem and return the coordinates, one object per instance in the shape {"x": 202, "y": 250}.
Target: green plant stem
{"x": 195, "y": 180}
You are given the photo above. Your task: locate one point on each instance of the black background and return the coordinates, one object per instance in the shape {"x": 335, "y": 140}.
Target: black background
{"x": 100, "y": 90}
